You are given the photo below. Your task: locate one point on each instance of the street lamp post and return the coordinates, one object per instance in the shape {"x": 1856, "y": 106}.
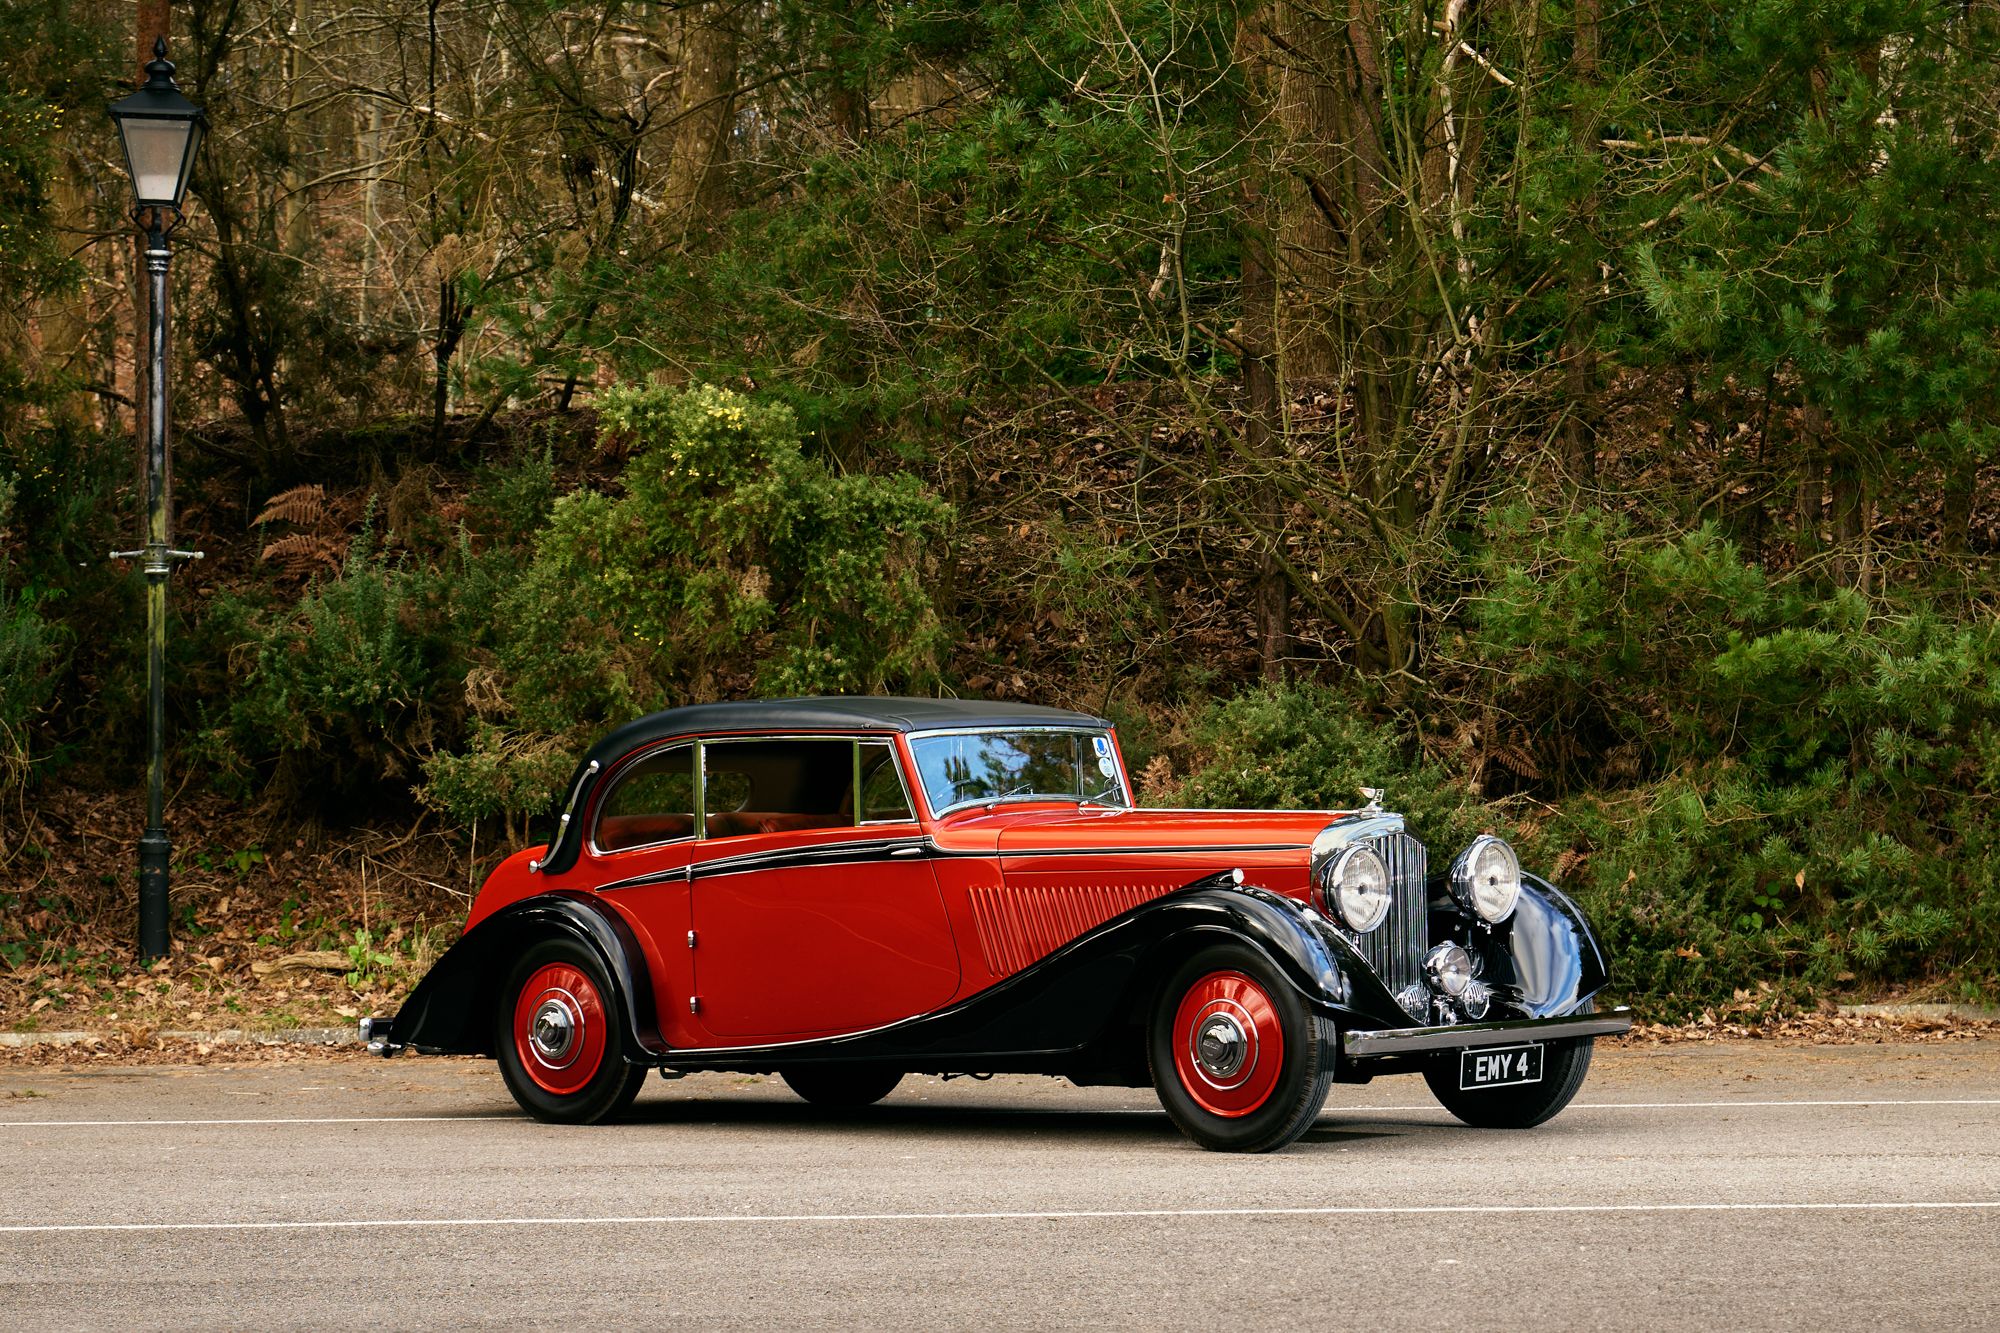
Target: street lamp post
{"x": 161, "y": 130}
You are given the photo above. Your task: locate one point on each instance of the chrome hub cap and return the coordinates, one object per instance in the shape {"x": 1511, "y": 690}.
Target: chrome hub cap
{"x": 553, "y": 1031}
{"x": 1222, "y": 1042}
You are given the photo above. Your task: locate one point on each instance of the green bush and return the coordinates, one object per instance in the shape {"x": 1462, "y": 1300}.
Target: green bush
{"x": 498, "y": 776}
{"x": 31, "y": 653}
{"x": 1310, "y": 747}
{"x": 729, "y": 564}
{"x": 351, "y": 687}
{"x": 1759, "y": 790}
{"x": 1757, "y": 782}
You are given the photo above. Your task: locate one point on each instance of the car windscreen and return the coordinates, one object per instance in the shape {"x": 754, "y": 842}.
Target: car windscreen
{"x": 959, "y": 768}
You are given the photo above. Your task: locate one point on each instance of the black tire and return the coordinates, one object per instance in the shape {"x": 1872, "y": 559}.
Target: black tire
{"x": 1564, "y": 1063}
{"x": 635, "y": 1082}
{"x": 1303, "y": 1075}
{"x": 610, "y": 1083}
{"x": 844, "y": 1087}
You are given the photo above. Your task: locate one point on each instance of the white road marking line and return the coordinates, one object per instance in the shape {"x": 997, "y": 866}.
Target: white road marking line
{"x": 1043, "y": 1215}
{"x": 1890, "y": 1101}
{"x": 269, "y": 1120}
{"x": 1332, "y": 1113}
{"x": 1695, "y": 1106}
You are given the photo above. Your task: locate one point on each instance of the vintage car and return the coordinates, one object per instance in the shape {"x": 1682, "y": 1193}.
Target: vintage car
{"x": 843, "y": 891}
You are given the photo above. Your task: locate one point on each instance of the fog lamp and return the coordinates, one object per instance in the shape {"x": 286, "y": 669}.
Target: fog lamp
{"x": 1449, "y": 967}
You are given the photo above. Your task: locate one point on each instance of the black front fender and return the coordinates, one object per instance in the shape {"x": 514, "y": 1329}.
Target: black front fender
{"x": 453, "y": 1009}
{"x": 1557, "y": 960}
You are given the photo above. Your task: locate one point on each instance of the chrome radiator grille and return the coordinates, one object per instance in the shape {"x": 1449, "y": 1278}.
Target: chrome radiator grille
{"x": 1395, "y": 949}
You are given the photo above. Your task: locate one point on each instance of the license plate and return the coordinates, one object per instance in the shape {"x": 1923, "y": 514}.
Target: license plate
{"x": 1499, "y": 1066}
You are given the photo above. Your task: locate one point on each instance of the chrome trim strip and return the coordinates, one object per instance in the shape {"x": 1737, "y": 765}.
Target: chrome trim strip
{"x": 840, "y": 853}
{"x": 1465, "y": 1036}
{"x": 641, "y": 881}
{"x": 700, "y": 788}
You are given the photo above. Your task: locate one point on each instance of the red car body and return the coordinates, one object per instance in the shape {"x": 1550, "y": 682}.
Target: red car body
{"x": 843, "y": 933}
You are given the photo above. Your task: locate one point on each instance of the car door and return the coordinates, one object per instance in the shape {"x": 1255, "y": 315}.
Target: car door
{"x": 814, "y": 912}
{"x": 641, "y": 840}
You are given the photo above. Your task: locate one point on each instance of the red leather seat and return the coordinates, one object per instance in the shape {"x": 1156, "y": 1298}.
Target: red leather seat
{"x": 790, "y": 823}
{"x": 617, "y": 831}
{"x": 735, "y": 823}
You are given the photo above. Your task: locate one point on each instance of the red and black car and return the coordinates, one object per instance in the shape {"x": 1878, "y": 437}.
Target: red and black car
{"x": 843, "y": 891}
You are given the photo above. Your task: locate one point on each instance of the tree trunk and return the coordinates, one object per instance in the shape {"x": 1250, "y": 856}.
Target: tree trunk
{"x": 698, "y": 146}
{"x": 1308, "y": 241}
{"x": 1580, "y": 424}
{"x": 63, "y": 319}
{"x": 451, "y": 320}
{"x": 847, "y": 107}
{"x": 1961, "y": 477}
{"x": 1811, "y": 489}
{"x": 1849, "y": 491}
{"x": 295, "y": 215}
{"x": 1263, "y": 439}
{"x": 154, "y": 24}
{"x": 368, "y": 149}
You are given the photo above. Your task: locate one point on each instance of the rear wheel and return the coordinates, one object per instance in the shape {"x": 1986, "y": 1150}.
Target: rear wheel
{"x": 561, "y": 1037}
{"x": 1240, "y": 1063}
{"x": 842, "y": 1085}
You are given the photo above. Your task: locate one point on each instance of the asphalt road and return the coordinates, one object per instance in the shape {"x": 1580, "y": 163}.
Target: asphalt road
{"x": 1731, "y": 1186}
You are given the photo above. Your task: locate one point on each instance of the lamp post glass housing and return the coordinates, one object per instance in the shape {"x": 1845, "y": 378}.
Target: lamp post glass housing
{"x": 161, "y": 131}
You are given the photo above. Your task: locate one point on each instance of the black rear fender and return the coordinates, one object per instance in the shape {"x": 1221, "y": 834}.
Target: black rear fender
{"x": 452, "y": 1010}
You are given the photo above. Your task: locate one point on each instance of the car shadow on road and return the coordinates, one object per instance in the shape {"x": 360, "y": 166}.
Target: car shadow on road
{"x": 988, "y": 1122}
{"x": 981, "y": 1119}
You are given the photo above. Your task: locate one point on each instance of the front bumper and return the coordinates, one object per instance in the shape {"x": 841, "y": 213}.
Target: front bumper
{"x": 1371, "y": 1043}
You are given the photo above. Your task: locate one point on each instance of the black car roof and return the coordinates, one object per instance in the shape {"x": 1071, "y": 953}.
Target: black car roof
{"x": 850, "y": 710}
{"x": 834, "y": 712}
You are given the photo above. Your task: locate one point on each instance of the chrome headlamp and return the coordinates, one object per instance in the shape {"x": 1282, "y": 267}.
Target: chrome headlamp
{"x": 1486, "y": 879}
{"x": 1356, "y": 887}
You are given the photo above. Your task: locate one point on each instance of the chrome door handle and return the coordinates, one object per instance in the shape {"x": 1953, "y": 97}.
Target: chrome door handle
{"x": 907, "y": 851}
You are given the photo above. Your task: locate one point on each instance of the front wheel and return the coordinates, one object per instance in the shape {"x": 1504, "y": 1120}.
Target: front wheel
{"x": 1564, "y": 1063}
{"x": 1240, "y": 1063}
{"x": 560, "y": 1037}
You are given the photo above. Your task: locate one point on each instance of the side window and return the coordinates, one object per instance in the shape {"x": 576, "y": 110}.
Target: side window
{"x": 776, "y": 786}
{"x": 883, "y": 799}
{"x": 652, "y": 802}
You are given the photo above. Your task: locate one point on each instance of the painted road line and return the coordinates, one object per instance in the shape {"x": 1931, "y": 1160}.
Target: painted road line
{"x": 269, "y": 1120}
{"x": 1333, "y": 1113}
{"x": 1041, "y": 1215}
{"x": 1887, "y": 1101}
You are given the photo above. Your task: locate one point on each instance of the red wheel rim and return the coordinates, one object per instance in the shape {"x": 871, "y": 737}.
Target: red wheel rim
{"x": 1228, "y": 1044}
{"x": 559, "y": 1028}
